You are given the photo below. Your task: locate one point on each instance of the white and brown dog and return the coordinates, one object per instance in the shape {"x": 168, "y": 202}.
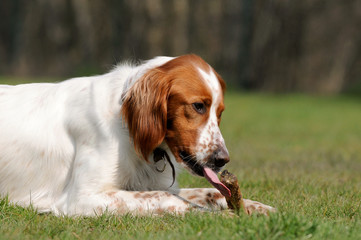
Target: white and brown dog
{"x": 112, "y": 142}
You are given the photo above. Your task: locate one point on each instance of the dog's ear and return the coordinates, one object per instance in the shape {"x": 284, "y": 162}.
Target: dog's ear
{"x": 144, "y": 110}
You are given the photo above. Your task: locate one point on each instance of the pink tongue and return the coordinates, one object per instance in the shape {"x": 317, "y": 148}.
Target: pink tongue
{"x": 213, "y": 179}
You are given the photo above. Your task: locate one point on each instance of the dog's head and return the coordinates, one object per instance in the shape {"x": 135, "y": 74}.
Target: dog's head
{"x": 181, "y": 103}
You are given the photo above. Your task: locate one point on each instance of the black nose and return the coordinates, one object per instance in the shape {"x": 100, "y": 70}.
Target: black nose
{"x": 221, "y": 157}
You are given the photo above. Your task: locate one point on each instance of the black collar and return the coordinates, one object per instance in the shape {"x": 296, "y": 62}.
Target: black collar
{"x": 160, "y": 154}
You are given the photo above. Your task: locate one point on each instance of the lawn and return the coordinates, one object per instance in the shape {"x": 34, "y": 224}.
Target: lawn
{"x": 300, "y": 154}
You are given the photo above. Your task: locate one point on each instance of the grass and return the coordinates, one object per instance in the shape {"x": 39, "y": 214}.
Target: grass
{"x": 301, "y": 154}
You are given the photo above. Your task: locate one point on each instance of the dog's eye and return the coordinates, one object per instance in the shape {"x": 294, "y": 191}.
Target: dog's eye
{"x": 199, "y": 107}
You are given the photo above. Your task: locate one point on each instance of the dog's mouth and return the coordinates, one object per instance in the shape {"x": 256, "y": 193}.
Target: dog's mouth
{"x": 191, "y": 163}
{"x": 209, "y": 172}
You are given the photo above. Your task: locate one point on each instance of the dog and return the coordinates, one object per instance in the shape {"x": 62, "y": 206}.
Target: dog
{"x": 115, "y": 142}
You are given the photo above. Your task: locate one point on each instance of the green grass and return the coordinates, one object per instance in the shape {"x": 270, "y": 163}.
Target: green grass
{"x": 301, "y": 154}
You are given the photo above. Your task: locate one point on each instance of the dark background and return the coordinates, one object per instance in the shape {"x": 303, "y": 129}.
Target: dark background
{"x": 311, "y": 46}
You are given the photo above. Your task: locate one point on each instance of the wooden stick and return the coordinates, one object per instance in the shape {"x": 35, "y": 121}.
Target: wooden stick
{"x": 235, "y": 201}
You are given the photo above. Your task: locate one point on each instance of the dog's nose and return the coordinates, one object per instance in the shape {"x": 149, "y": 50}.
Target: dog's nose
{"x": 221, "y": 157}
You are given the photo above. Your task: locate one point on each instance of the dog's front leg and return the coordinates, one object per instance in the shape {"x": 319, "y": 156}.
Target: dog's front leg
{"x": 145, "y": 202}
{"x": 155, "y": 202}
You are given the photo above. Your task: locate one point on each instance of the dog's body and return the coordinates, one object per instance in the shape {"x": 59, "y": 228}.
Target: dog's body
{"x": 86, "y": 145}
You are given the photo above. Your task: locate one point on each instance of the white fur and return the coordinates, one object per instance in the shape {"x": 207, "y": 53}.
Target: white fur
{"x": 64, "y": 145}
{"x": 210, "y": 133}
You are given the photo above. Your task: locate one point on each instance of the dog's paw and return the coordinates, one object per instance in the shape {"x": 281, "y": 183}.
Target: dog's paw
{"x": 252, "y": 207}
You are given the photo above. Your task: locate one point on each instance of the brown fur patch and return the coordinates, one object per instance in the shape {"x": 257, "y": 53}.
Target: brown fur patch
{"x": 191, "y": 197}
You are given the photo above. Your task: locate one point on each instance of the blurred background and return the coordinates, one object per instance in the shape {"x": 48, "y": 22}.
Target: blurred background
{"x": 292, "y": 67}
{"x": 311, "y": 46}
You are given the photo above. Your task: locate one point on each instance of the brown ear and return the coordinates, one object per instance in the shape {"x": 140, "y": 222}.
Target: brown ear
{"x": 144, "y": 109}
